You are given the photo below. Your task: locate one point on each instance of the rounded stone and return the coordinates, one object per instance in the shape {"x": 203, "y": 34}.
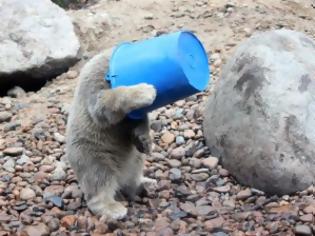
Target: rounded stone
{"x": 260, "y": 118}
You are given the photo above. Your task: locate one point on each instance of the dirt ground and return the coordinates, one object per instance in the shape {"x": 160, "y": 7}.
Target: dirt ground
{"x": 39, "y": 195}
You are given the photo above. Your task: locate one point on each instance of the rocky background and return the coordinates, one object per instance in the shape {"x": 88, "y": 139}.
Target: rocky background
{"x": 39, "y": 194}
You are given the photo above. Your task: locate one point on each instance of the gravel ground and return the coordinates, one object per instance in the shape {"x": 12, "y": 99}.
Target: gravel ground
{"x": 39, "y": 194}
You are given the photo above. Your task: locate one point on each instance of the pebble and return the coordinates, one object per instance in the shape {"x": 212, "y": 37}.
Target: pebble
{"x": 307, "y": 218}
{"x": 9, "y": 165}
{"x": 53, "y": 190}
{"x": 178, "y": 153}
{"x": 189, "y": 133}
{"x": 27, "y": 194}
{"x": 59, "y": 138}
{"x": 180, "y": 140}
{"x": 168, "y": 137}
{"x": 13, "y": 151}
{"x": 35, "y": 230}
{"x": 174, "y": 163}
{"x": 212, "y": 224}
{"x": 72, "y": 74}
{"x": 5, "y": 116}
{"x": 310, "y": 209}
{"x": 175, "y": 174}
{"x": 203, "y": 210}
{"x": 244, "y": 194}
{"x": 210, "y": 162}
{"x": 59, "y": 173}
{"x": 303, "y": 230}
{"x": 68, "y": 221}
{"x": 22, "y": 160}
{"x": 222, "y": 189}
{"x": 200, "y": 177}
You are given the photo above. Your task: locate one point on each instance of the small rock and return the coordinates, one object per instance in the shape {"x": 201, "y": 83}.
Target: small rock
{"x": 175, "y": 174}
{"x": 59, "y": 138}
{"x": 210, "y": 162}
{"x": 303, "y": 230}
{"x": 222, "y": 189}
{"x": 196, "y": 163}
{"x": 56, "y": 201}
{"x": 27, "y": 194}
{"x": 68, "y": 221}
{"x": 16, "y": 92}
{"x": 200, "y": 177}
{"x": 244, "y": 194}
{"x": 22, "y": 160}
{"x": 13, "y": 151}
{"x": 72, "y": 74}
{"x": 310, "y": 209}
{"x": 5, "y": 116}
{"x": 35, "y": 230}
{"x": 178, "y": 153}
{"x": 9, "y": 165}
{"x": 204, "y": 210}
{"x": 168, "y": 137}
{"x": 180, "y": 140}
{"x": 174, "y": 163}
{"x": 189, "y": 133}
{"x": 53, "y": 190}
{"x": 188, "y": 207}
{"x": 211, "y": 225}
{"x": 307, "y": 218}
{"x": 53, "y": 224}
{"x": 59, "y": 173}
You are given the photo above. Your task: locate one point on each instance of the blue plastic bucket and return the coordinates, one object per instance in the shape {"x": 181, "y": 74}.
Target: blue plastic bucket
{"x": 175, "y": 64}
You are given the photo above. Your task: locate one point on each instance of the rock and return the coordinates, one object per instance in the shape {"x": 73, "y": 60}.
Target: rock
{"x": 16, "y": 92}
{"x": 302, "y": 230}
{"x": 59, "y": 173}
{"x": 310, "y": 209}
{"x": 68, "y": 221}
{"x": 178, "y": 153}
{"x": 222, "y": 189}
{"x": 23, "y": 159}
{"x": 211, "y": 225}
{"x": 5, "y": 116}
{"x": 72, "y": 74}
{"x": 168, "y": 137}
{"x": 180, "y": 140}
{"x": 204, "y": 210}
{"x": 189, "y": 133}
{"x": 9, "y": 165}
{"x": 244, "y": 194}
{"x": 53, "y": 190}
{"x": 27, "y": 193}
{"x": 13, "y": 151}
{"x": 35, "y": 230}
{"x": 267, "y": 84}
{"x": 59, "y": 138}
{"x": 200, "y": 177}
{"x": 53, "y": 224}
{"x": 175, "y": 174}
{"x": 174, "y": 163}
{"x": 210, "y": 162}
{"x": 55, "y": 200}
{"x": 307, "y": 218}
{"x": 36, "y": 47}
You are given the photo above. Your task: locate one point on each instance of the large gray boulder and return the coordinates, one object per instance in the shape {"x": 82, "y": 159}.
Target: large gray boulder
{"x": 261, "y": 117}
{"x": 37, "y": 40}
